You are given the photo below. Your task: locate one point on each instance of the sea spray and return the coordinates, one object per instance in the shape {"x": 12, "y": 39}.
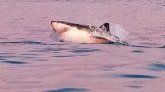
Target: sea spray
{"x": 119, "y": 32}
{"x": 116, "y": 34}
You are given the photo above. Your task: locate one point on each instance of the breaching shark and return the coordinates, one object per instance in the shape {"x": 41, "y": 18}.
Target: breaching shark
{"x": 72, "y": 32}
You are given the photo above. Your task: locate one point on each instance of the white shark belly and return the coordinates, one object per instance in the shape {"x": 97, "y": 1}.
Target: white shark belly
{"x": 77, "y": 36}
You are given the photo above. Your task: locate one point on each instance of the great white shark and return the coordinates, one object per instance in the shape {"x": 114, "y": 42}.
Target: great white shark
{"x": 72, "y": 32}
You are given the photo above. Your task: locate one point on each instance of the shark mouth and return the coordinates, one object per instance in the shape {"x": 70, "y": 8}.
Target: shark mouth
{"x": 72, "y": 32}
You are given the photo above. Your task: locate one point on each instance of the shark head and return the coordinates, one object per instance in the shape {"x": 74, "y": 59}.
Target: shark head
{"x": 60, "y": 27}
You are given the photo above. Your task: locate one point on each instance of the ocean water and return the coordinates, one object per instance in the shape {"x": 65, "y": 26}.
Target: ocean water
{"x": 31, "y": 61}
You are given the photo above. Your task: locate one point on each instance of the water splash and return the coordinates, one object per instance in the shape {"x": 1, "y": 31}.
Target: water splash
{"x": 116, "y": 34}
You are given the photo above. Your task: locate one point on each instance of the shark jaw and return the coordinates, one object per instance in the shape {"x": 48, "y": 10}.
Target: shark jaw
{"x": 76, "y": 33}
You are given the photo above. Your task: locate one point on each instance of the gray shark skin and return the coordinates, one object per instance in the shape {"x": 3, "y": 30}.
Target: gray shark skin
{"x": 79, "y": 26}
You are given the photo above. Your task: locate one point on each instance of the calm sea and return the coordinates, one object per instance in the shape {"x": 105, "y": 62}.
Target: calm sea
{"x": 30, "y": 61}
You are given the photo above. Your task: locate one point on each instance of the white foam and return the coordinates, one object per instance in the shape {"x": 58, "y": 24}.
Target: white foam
{"x": 118, "y": 31}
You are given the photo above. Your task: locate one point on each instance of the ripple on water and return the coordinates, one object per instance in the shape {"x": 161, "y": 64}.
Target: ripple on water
{"x": 65, "y": 56}
{"x": 50, "y": 49}
{"x": 62, "y": 56}
{"x": 134, "y": 86}
{"x": 25, "y": 42}
{"x": 6, "y": 56}
{"x": 69, "y": 90}
{"x": 162, "y": 46}
{"x": 150, "y": 44}
{"x": 14, "y": 62}
{"x": 2, "y": 59}
{"x": 84, "y": 50}
{"x": 146, "y": 46}
{"x": 137, "y": 51}
{"x": 157, "y": 67}
{"x": 136, "y": 76}
{"x": 30, "y": 56}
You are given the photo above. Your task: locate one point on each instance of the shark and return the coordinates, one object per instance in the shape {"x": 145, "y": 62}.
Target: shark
{"x": 78, "y": 33}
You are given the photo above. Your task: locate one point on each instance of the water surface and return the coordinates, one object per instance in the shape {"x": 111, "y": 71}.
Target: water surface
{"x": 30, "y": 61}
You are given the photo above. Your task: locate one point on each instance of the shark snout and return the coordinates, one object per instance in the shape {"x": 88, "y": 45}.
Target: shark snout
{"x": 59, "y": 27}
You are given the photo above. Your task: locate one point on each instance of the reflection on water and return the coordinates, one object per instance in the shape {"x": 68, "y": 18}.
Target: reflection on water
{"x": 137, "y": 76}
{"x": 134, "y": 86}
{"x": 69, "y": 90}
{"x": 162, "y": 46}
{"x": 65, "y": 56}
{"x": 24, "y": 42}
{"x": 62, "y": 56}
{"x": 84, "y": 50}
{"x": 50, "y": 49}
{"x": 138, "y": 51}
{"x": 157, "y": 67}
{"x": 14, "y": 62}
{"x": 147, "y": 46}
